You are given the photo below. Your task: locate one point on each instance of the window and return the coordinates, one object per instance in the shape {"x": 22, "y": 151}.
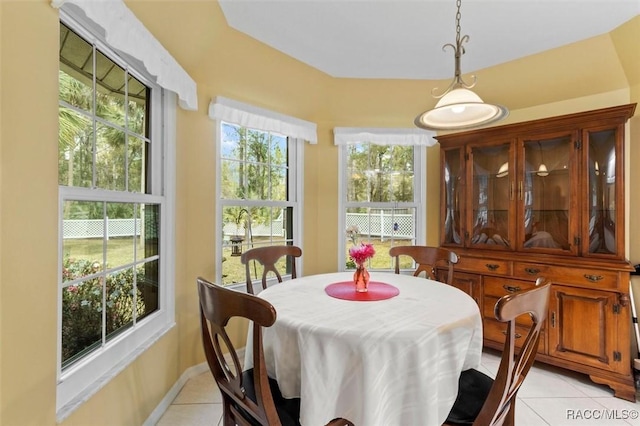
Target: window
{"x": 382, "y": 192}
{"x": 115, "y": 204}
{"x": 259, "y": 182}
{"x": 257, "y": 195}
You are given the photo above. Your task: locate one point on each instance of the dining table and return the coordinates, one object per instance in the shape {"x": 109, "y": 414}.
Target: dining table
{"x": 391, "y": 356}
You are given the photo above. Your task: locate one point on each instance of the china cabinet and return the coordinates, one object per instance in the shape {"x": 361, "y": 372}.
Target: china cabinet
{"x": 545, "y": 198}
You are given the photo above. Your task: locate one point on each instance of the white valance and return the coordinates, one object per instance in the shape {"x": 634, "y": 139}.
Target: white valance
{"x": 262, "y": 119}
{"x": 126, "y": 34}
{"x": 383, "y": 136}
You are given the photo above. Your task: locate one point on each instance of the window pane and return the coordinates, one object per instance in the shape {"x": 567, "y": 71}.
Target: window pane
{"x": 230, "y": 147}
{"x": 602, "y": 192}
{"x": 258, "y": 182}
{"x": 150, "y": 218}
{"x": 257, "y": 146}
{"x": 138, "y": 95}
{"x": 232, "y": 185}
{"x": 83, "y": 238}
{"x": 401, "y": 188}
{"x": 137, "y": 154}
{"x": 120, "y": 301}
{"x": 278, "y": 150}
{"x": 147, "y": 282}
{"x": 274, "y": 227}
{"x": 81, "y": 318}
{"x": 110, "y": 158}
{"x": 110, "y": 82}
{"x": 76, "y": 70}
{"x": 121, "y": 230}
{"x": 75, "y": 149}
{"x": 236, "y": 239}
{"x": 279, "y": 183}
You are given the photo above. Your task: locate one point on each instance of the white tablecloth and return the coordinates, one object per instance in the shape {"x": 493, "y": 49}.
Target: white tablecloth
{"x": 391, "y": 362}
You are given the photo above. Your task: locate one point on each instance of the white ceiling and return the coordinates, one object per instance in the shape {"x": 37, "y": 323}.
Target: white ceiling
{"x": 403, "y": 38}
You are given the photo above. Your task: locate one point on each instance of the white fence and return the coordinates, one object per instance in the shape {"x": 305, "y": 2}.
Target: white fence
{"x": 383, "y": 225}
{"x": 276, "y": 228}
{"x": 379, "y": 224}
{"x": 94, "y": 228}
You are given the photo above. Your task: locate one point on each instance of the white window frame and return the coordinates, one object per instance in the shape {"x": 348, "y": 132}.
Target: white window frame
{"x": 295, "y": 186}
{"x": 87, "y": 376}
{"x": 383, "y": 136}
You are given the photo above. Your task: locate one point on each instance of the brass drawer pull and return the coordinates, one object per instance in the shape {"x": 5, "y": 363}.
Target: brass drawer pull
{"x": 532, "y": 271}
{"x": 593, "y": 278}
{"x": 518, "y": 335}
{"x": 511, "y": 289}
{"x": 492, "y": 266}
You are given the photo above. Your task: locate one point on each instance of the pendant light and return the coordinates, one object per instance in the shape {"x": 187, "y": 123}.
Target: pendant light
{"x": 458, "y": 107}
{"x": 542, "y": 169}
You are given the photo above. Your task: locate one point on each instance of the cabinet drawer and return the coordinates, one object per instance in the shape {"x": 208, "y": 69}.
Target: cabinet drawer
{"x": 533, "y": 270}
{"x": 593, "y": 278}
{"x": 496, "y": 331}
{"x": 499, "y": 287}
{"x": 485, "y": 266}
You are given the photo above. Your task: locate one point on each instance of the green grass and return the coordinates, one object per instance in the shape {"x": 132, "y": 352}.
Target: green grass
{"x": 119, "y": 250}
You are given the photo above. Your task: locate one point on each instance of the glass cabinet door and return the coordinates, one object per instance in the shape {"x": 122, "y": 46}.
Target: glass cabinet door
{"x": 603, "y": 189}
{"x": 545, "y": 196}
{"x": 491, "y": 197}
{"x": 452, "y": 178}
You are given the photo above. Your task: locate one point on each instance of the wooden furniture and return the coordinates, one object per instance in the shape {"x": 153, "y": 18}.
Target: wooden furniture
{"x": 387, "y": 362}
{"x": 546, "y": 198}
{"x": 268, "y": 257}
{"x": 426, "y": 259}
{"x": 248, "y": 397}
{"x": 483, "y": 401}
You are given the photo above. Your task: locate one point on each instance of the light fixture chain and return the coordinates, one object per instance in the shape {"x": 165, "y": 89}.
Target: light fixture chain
{"x": 458, "y": 16}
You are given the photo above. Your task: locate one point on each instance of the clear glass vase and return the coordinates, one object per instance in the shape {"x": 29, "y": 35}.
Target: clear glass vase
{"x": 361, "y": 279}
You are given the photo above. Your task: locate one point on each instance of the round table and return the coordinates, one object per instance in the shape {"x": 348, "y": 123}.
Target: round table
{"x": 386, "y": 362}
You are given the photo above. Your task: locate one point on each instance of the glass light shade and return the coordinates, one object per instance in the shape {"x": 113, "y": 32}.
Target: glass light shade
{"x": 503, "y": 170}
{"x": 460, "y": 109}
{"x": 542, "y": 170}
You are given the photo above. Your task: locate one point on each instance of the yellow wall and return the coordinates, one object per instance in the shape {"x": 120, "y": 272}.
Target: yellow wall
{"x": 599, "y": 72}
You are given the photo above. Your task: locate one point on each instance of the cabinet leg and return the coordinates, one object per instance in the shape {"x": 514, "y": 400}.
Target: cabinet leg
{"x": 621, "y": 389}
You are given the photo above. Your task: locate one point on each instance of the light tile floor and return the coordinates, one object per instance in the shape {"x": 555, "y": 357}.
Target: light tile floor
{"x": 549, "y": 396}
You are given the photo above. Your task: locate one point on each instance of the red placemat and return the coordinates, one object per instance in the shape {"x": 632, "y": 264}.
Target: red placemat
{"x": 346, "y": 290}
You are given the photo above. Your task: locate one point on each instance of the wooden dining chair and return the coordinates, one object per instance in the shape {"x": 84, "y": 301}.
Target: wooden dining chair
{"x": 248, "y": 397}
{"x": 268, "y": 257}
{"x": 426, "y": 259}
{"x": 483, "y": 401}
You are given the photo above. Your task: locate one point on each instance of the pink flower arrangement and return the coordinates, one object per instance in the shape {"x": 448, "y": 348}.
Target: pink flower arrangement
{"x": 361, "y": 253}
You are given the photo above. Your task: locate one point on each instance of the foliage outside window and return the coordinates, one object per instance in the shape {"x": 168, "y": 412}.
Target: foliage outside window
{"x": 256, "y": 194}
{"x": 381, "y": 199}
{"x": 110, "y": 199}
